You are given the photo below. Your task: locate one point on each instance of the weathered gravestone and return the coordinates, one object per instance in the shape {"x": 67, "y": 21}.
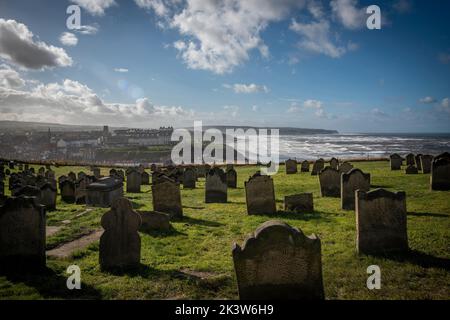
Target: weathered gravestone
{"x": 418, "y": 162}
{"x": 260, "y": 195}
{"x": 72, "y": 176}
{"x": 48, "y": 196}
{"x": 167, "y": 198}
{"x": 22, "y": 234}
{"x": 152, "y": 220}
{"x": 381, "y": 222}
{"x": 231, "y": 178}
{"x": 396, "y": 161}
{"x": 29, "y": 191}
{"x": 410, "y": 169}
{"x": 279, "y": 262}
{"x": 145, "y": 178}
{"x": 334, "y": 163}
{"x": 133, "y": 181}
{"x": 291, "y": 166}
{"x": 425, "y": 162}
{"x": 317, "y": 167}
{"x": 440, "y": 172}
{"x": 67, "y": 189}
{"x": 345, "y": 167}
{"x": 351, "y": 181}
{"x": 120, "y": 243}
{"x": 104, "y": 192}
{"x": 302, "y": 202}
{"x": 80, "y": 191}
{"x": 330, "y": 182}
{"x": 216, "y": 186}
{"x": 410, "y": 159}
{"x": 189, "y": 178}
{"x": 305, "y": 166}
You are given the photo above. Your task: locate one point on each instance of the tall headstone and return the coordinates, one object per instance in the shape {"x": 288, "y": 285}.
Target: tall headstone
{"x": 396, "y": 161}
{"x": 189, "y": 178}
{"x": 48, "y": 196}
{"x": 260, "y": 195}
{"x": 232, "y": 178}
{"x": 410, "y": 159}
{"x": 330, "y": 182}
{"x": 302, "y": 202}
{"x": 425, "y": 162}
{"x": 216, "y": 186}
{"x": 67, "y": 189}
{"x": 133, "y": 181}
{"x": 279, "y": 262}
{"x": 418, "y": 163}
{"x": 440, "y": 172}
{"x": 351, "y": 181}
{"x": 120, "y": 243}
{"x": 305, "y": 166}
{"x": 317, "y": 167}
{"x": 167, "y": 198}
{"x": 291, "y": 166}
{"x": 381, "y": 222}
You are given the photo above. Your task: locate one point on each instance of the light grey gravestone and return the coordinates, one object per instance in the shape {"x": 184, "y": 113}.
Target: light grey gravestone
{"x": 440, "y": 172}
{"x": 345, "y": 167}
{"x": 260, "y": 195}
{"x": 291, "y": 166}
{"x": 381, "y": 222}
{"x": 152, "y": 220}
{"x": 48, "y": 196}
{"x": 231, "y": 178}
{"x": 417, "y": 162}
{"x": 189, "y": 178}
{"x": 133, "y": 181}
{"x": 351, "y": 181}
{"x": 67, "y": 189}
{"x": 104, "y": 192}
{"x": 305, "y": 166}
{"x": 330, "y": 182}
{"x": 334, "y": 163}
{"x": 302, "y": 202}
{"x": 22, "y": 234}
{"x": 145, "y": 178}
{"x": 425, "y": 162}
{"x": 396, "y": 161}
{"x": 167, "y": 198}
{"x": 120, "y": 243}
{"x": 410, "y": 169}
{"x": 96, "y": 173}
{"x": 410, "y": 159}
{"x": 279, "y": 262}
{"x": 317, "y": 167}
{"x": 216, "y": 186}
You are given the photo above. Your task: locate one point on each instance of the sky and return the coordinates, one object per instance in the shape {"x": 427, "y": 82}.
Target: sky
{"x": 267, "y": 63}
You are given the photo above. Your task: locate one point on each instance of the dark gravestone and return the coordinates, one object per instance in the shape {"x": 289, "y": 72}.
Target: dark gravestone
{"x": 425, "y": 163}
{"x": 152, "y": 220}
{"x": 381, "y": 222}
{"x": 305, "y": 166}
{"x": 396, "y": 161}
{"x": 334, "y": 163}
{"x": 351, "y": 181}
{"x": 216, "y": 186}
{"x": 22, "y": 234}
{"x": 410, "y": 169}
{"x": 189, "y": 178}
{"x": 231, "y": 178}
{"x": 260, "y": 195}
{"x": 104, "y": 192}
{"x": 291, "y": 166}
{"x": 120, "y": 243}
{"x": 48, "y": 196}
{"x": 133, "y": 181}
{"x": 410, "y": 159}
{"x": 72, "y": 176}
{"x": 302, "y": 202}
{"x": 96, "y": 173}
{"x": 67, "y": 189}
{"x": 440, "y": 172}
{"x": 29, "y": 191}
{"x": 345, "y": 167}
{"x": 330, "y": 182}
{"x": 145, "y": 178}
{"x": 317, "y": 167}
{"x": 417, "y": 162}
{"x": 167, "y": 198}
{"x": 80, "y": 191}
{"x": 279, "y": 262}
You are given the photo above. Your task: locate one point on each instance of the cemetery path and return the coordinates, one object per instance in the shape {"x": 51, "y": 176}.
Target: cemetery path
{"x": 67, "y": 249}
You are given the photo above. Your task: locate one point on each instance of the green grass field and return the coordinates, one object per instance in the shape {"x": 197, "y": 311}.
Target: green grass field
{"x": 193, "y": 261}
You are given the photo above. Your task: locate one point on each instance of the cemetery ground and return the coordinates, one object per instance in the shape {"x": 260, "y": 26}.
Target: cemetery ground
{"x": 193, "y": 260}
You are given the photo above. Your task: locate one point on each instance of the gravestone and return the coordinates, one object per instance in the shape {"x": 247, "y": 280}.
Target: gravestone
{"x": 418, "y": 162}
{"x": 425, "y": 162}
{"x": 28, "y": 191}
{"x": 410, "y": 169}
{"x": 330, "y": 182}
{"x": 48, "y": 196}
{"x": 81, "y": 175}
{"x": 291, "y": 166}
{"x": 440, "y": 172}
{"x": 133, "y": 181}
{"x": 334, "y": 163}
{"x": 22, "y": 234}
{"x": 104, "y": 192}
{"x": 351, "y": 181}
{"x": 152, "y": 220}
{"x": 80, "y": 191}
{"x": 345, "y": 167}
{"x": 317, "y": 167}
{"x": 72, "y": 176}
{"x": 231, "y": 178}
{"x": 260, "y": 195}
{"x": 302, "y": 202}
{"x": 381, "y": 222}
{"x": 189, "y": 178}
{"x": 67, "y": 189}
{"x": 410, "y": 159}
{"x": 279, "y": 262}
{"x": 216, "y": 186}
{"x": 41, "y": 171}
{"x": 167, "y": 198}
{"x": 396, "y": 161}
{"x": 120, "y": 243}
{"x": 96, "y": 172}
{"x": 305, "y": 166}
{"x": 145, "y": 178}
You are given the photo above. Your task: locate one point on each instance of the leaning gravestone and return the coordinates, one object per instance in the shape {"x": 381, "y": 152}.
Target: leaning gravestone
{"x": 189, "y": 178}
{"x": 260, "y": 195}
{"x": 291, "y": 166}
{"x": 381, "y": 222}
{"x": 417, "y": 162}
{"x": 410, "y": 169}
{"x": 120, "y": 244}
{"x": 152, "y": 220}
{"x": 279, "y": 262}
{"x": 22, "y": 234}
{"x": 317, "y": 167}
{"x": 425, "y": 162}
{"x": 302, "y": 202}
{"x": 330, "y": 182}
{"x": 167, "y": 198}
{"x": 410, "y": 159}
{"x": 305, "y": 166}
{"x": 440, "y": 172}
{"x": 345, "y": 167}
{"x": 396, "y": 161}
{"x": 334, "y": 163}
{"x": 216, "y": 186}
{"x": 232, "y": 178}
{"x": 134, "y": 181}
{"x": 351, "y": 181}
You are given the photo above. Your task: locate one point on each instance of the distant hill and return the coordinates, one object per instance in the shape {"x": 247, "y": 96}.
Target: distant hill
{"x": 20, "y": 126}
{"x": 283, "y": 130}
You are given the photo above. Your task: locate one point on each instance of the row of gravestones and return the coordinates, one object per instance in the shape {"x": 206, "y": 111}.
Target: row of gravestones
{"x": 318, "y": 165}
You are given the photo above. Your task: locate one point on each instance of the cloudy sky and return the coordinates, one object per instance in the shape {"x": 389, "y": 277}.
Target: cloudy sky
{"x": 301, "y": 63}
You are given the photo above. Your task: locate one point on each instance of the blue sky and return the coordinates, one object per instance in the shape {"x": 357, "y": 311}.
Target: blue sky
{"x": 301, "y": 63}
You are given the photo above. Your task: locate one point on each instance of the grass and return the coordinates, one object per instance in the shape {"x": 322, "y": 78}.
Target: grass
{"x": 171, "y": 262}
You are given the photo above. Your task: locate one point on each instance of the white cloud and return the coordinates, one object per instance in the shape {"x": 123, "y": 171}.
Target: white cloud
{"x": 348, "y": 13}
{"x": 445, "y": 105}
{"x": 121, "y": 70}
{"x": 87, "y": 30}
{"x": 68, "y": 39}
{"x": 18, "y": 46}
{"x": 378, "y": 113}
{"x": 255, "y": 108}
{"x": 95, "y": 7}
{"x": 293, "y": 108}
{"x": 247, "y": 88}
{"x": 232, "y": 110}
{"x": 158, "y": 6}
{"x": 10, "y": 78}
{"x": 427, "y": 100}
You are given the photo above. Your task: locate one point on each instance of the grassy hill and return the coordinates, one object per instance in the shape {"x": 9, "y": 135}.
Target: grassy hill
{"x": 193, "y": 261}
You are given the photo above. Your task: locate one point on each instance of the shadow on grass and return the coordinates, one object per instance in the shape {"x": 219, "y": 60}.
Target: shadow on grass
{"x": 51, "y": 285}
{"x": 172, "y": 232}
{"x": 305, "y": 216}
{"x": 195, "y": 208}
{"x": 200, "y": 222}
{"x": 419, "y": 258}
{"x": 426, "y": 214}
